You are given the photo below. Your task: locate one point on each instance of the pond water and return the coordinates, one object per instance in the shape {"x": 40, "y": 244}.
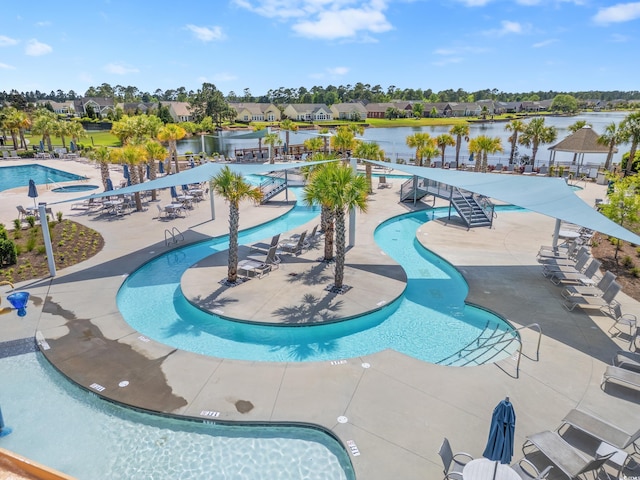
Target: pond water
{"x": 393, "y": 140}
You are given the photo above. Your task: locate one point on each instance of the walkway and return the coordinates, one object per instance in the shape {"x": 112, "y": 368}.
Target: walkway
{"x": 398, "y": 408}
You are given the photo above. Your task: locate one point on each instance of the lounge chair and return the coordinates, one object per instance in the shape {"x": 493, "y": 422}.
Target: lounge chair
{"x": 14, "y": 155}
{"x": 382, "y": 182}
{"x": 544, "y": 171}
{"x": 590, "y": 290}
{"x": 5, "y": 155}
{"x": 528, "y": 471}
{"x": 600, "y": 429}
{"x": 264, "y": 247}
{"x": 628, "y": 361}
{"x": 578, "y": 266}
{"x": 528, "y": 170}
{"x": 627, "y": 320}
{"x": 604, "y": 303}
{"x": 253, "y": 268}
{"x": 453, "y": 463}
{"x": 294, "y": 246}
{"x": 560, "y": 251}
{"x": 622, "y": 376}
{"x": 22, "y": 213}
{"x": 270, "y": 258}
{"x": 569, "y": 259}
{"x": 567, "y": 458}
{"x": 576, "y": 277}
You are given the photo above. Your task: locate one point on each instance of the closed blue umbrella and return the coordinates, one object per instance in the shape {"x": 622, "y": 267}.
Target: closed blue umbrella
{"x": 148, "y": 172}
{"x": 41, "y": 146}
{"x": 192, "y": 163}
{"x": 33, "y": 191}
{"x": 125, "y": 171}
{"x": 161, "y": 167}
{"x": 174, "y": 193}
{"x": 109, "y": 186}
{"x": 501, "y": 434}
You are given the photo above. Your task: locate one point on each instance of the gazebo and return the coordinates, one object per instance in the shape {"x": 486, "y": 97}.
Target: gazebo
{"x": 582, "y": 141}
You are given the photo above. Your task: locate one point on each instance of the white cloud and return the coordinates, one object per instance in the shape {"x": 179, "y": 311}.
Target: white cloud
{"x": 544, "y": 43}
{"x": 622, "y": 12}
{"x": 325, "y": 19}
{"x": 452, "y": 51}
{"x": 45, "y": 23}
{"x": 7, "y": 41}
{"x": 35, "y": 48}
{"x": 507, "y": 28}
{"x": 4, "y": 66}
{"x": 475, "y": 3}
{"x": 206, "y": 34}
{"x": 338, "y": 70}
{"x": 119, "y": 69}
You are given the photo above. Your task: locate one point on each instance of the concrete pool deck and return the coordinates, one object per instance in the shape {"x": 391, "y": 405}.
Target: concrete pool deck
{"x": 398, "y": 408}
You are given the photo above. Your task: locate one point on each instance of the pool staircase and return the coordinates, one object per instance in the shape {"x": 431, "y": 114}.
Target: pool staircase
{"x": 473, "y": 209}
{"x": 272, "y": 186}
{"x": 491, "y": 345}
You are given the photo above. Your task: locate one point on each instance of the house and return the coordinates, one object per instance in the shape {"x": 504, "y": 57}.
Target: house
{"x": 61, "y": 108}
{"x": 349, "y": 111}
{"x": 508, "y": 107}
{"x": 442, "y": 109}
{"x": 465, "y": 109}
{"x": 308, "y": 112}
{"x": 179, "y": 111}
{"x": 256, "y": 112}
{"x": 137, "y": 107}
{"x": 101, "y": 106}
{"x": 379, "y": 110}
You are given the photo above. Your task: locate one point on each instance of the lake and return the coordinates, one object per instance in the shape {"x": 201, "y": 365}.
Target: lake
{"x": 393, "y": 140}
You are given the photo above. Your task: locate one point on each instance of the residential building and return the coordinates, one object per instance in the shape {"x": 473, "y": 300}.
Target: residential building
{"x": 349, "y": 111}
{"x": 308, "y": 112}
{"x": 256, "y": 112}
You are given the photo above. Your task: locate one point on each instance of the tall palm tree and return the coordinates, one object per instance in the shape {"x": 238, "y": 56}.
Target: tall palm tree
{"x": 419, "y": 141}
{"x": 154, "y": 152}
{"x": 484, "y": 145}
{"x": 368, "y": 151}
{"x": 76, "y": 131}
{"x": 630, "y": 127}
{"x": 132, "y": 155}
{"x": 234, "y": 189}
{"x": 443, "y": 141}
{"x": 314, "y": 144}
{"x": 288, "y": 126}
{"x": 102, "y": 155}
{"x": 171, "y": 133}
{"x": 62, "y": 130}
{"x": 516, "y": 127}
{"x": 342, "y": 189}
{"x": 611, "y": 137}
{"x": 344, "y": 140}
{"x": 43, "y": 124}
{"x": 16, "y": 122}
{"x": 272, "y": 139}
{"x": 536, "y": 133}
{"x": 461, "y": 132}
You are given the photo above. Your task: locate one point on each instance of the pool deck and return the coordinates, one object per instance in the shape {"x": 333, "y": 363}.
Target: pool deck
{"x": 397, "y": 408}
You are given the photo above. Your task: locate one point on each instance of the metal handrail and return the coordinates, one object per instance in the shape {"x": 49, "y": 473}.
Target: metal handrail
{"x": 172, "y": 236}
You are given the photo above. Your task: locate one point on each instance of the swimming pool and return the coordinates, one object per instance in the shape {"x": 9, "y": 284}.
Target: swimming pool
{"x": 19, "y": 176}
{"x": 432, "y": 307}
{"x": 58, "y": 424}
{"x": 75, "y": 188}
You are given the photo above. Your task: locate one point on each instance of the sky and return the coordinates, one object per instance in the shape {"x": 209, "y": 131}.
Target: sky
{"x": 262, "y": 45}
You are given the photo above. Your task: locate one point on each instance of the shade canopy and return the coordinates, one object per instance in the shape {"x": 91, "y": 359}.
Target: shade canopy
{"x": 501, "y": 433}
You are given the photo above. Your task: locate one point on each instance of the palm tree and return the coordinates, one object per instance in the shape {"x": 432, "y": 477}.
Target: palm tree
{"x": 341, "y": 189}
{"x": 16, "y": 121}
{"x": 419, "y": 141}
{"x": 76, "y": 130}
{"x": 43, "y": 124}
{"x": 611, "y": 137}
{"x": 61, "y": 129}
{"x": 516, "y": 127}
{"x": 344, "y": 140}
{"x": 258, "y": 128}
{"x": 154, "y": 152}
{"x": 484, "y": 145}
{"x": 536, "y": 133}
{"x": 630, "y": 127}
{"x": 324, "y": 132}
{"x": 461, "y": 132}
{"x": 171, "y": 133}
{"x": 429, "y": 152}
{"x": 368, "y": 151}
{"x": 272, "y": 139}
{"x": 132, "y": 155}
{"x": 314, "y": 144}
{"x": 234, "y": 189}
{"x": 443, "y": 141}
{"x": 288, "y": 126}
{"x": 102, "y": 155}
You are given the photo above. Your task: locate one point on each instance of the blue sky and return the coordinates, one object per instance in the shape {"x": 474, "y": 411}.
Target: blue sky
{"x": 513, "y": 46}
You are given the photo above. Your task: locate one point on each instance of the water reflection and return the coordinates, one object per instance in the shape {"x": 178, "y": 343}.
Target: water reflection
{"x": 393, "y": 140}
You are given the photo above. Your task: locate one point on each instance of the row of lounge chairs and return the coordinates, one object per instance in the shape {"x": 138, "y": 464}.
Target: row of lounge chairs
{"x": 13, "y": 155}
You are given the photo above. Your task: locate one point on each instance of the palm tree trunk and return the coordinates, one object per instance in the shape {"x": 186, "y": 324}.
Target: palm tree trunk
{"x": 458, "y": 142}
{"x": 152, "y": 176}
{"x": 340, "y": 248}
{"x": 104, "y": 173}
{"x": 368, "y": 170}
{"x": 135, "y": 179}
{"x": 174, "y": 153}
{"x": 534, "y": 151}
{"x": 632, "y": 156}
{"x": 329, "y": 231}
{"x": 234, "y": 223}
{"x": 513, "y": 148}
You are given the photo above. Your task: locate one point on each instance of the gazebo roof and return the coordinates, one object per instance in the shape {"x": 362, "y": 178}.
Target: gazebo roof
{"x": 584, "y": 140}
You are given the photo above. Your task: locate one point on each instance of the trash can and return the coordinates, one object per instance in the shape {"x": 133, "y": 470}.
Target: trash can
{"x": 602, "y": 179}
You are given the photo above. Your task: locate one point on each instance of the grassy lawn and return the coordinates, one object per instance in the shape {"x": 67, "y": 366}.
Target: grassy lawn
{"x": 102, "y": 137}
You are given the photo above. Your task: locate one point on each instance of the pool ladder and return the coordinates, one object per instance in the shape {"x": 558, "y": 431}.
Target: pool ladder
{"x": 173, "y": 236}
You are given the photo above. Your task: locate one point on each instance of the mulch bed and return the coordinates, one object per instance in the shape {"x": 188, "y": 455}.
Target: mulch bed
{"x": 627, "y": 266}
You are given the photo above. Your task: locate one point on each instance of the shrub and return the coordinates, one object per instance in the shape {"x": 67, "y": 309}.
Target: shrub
{"x": 59, "y": 216}
{"x": 3, "y": 232}
{"x": 31, "y": 220}
{"x": 31, "y": 243}
{"x": 635, "y": 271}
{"x": 8, "y": 252}
{"x": 638, "y": 251}
{"x": 627, "y": 261}
{"x": 41, "y": 250}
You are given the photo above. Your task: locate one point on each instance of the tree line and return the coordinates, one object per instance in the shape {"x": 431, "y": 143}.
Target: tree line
{"x": 318, "y": 94}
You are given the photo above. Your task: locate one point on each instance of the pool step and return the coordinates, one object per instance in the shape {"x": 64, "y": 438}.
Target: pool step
{"x": 492, "y": 344}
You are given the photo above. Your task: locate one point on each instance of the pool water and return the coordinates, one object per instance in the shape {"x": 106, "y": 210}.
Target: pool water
{"x": 430, "y": 321}
{"x": 74, "y": 188}
{"x": 19, "y": 176}
{"x": 73, "y": 431}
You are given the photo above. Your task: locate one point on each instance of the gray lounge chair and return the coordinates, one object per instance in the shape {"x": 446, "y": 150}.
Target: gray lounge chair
{"x": 528, "y": 471}
{"x": 590, "y": 290}
{"x": 453, "y": 463}
{"x": 604, "y": 303}
{"x": 568, "y": 260}
{"x": 576, "y": 277}
{"x": 270, "y": 258}
{"x": 570, "y": 460}
{"x": 578, "y": 266}
{"x": 264, "y": 247}
{"x": 600, "y": 429}
{"x": 622, "y": 376}
{"x": 568, "y": 250}
{"x": 294, "y": 246}
{"x": 627, "y": 360}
